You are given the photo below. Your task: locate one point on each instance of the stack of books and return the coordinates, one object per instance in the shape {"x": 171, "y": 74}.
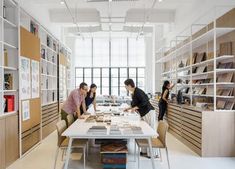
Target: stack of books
{"x": 114, "y": 130}
{"x": 136, "y": 130}
{"x": 132, "y": 130}
{"x": 100, "y": 130}
{"x": 114, "y": 155}
{"x": 91, "y": 119}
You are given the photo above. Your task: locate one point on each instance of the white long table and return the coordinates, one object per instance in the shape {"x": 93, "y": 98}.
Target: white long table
{"x": 78, "y": 130}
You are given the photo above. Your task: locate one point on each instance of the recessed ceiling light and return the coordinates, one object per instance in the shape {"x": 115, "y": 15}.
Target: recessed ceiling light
{"x": 62, "y": 2}
{"x": 160, "y": 0}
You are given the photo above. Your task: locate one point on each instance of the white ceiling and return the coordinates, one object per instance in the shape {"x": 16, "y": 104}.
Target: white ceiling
{"x": 108, "y": 15}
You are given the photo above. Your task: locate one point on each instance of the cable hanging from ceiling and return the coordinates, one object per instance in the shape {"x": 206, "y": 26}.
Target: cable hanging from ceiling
{"x": 146, "y": 18}
{"x": 74, "y": 19}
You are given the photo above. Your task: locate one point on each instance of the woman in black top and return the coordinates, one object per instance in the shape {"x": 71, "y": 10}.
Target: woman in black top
{"x": 164, "y": 99}
{"x": 90, "y": 97}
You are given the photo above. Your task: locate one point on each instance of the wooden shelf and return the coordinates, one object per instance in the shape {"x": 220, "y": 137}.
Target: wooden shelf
{"x": 203, "y": 63}
{"x": 49, "y": 89}
{"x": 204, "y": 95}
{"x": 10, "y": 3}
{"x": 9, "y": 24}
{"x": 209, "y": 84}
{"x": 183, "y": 68}
{"x": 49, "y": 103}
{"x": 209, "y": 36}
{"x": 206, "y": 37}
{"x": 9, "y": 91}
{"x": 201, "y": 74}
{"x": 48, "y": 75}
{"x": 9, "y": 45}
{"x": 168, "y": 72}
{"x": 224, "y": 57}
{"x": 221, "y": 71}
{"x": 51, "y": 49}
{"x": 9, "y": 68}
{"x": 5, "y": 114}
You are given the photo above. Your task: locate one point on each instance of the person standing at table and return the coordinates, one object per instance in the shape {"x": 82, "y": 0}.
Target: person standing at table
{"x": 164, "y": 99}
{"x": 140, "y": 103}
{"x": 90, "y": 98}
{"x": 74, "y": 101}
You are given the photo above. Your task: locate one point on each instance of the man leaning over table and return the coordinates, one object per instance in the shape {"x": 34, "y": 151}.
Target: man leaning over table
{"x": 140, "y": 103}
{"x": 73, "y": 103}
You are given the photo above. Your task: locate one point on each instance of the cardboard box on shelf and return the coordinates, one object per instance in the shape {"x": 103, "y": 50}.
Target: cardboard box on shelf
{"x": 5, "y": 58}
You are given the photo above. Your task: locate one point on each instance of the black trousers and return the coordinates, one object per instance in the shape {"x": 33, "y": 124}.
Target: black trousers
{"x": 162, "y": 110}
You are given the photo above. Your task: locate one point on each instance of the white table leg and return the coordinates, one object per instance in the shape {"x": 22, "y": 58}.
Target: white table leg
{"x": 68, "y": 153}
{"x": 151, "y": 152}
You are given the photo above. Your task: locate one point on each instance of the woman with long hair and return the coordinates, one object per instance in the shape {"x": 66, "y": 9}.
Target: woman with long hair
{"x": 91, "y": 97}
{"x": 164, "y": 99}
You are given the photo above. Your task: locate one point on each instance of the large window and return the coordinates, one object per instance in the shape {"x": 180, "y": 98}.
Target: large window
{"x": 108, "y": 63}
{"x": 119, "y": 52}
{"x": 110, "y": 81}
{"x": 100, "y": 52}
{"x": 136, "y": 52}
{"x": 83, "y": 52}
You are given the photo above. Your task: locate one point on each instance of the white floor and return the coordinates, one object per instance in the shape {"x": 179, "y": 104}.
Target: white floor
{"x": 180, "y": 156}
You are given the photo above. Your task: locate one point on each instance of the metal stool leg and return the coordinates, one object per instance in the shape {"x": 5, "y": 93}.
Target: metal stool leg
{"x": 84, "y": 156}
{"x": 138, "y": 157}
{"x": 56, "y": 155}
{"x": 168, "y": 162}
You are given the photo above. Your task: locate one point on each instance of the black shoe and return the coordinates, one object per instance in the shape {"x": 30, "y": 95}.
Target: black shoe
{"x": 143, "y": 154}
{"x": 156, "y": 156}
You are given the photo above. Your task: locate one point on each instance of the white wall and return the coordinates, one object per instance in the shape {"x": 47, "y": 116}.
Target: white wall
{"x": 70, "y": 42}
{"x": 189, "y": 14}
{"x": 150, "y": 64}
{"x": 41, "y": 15}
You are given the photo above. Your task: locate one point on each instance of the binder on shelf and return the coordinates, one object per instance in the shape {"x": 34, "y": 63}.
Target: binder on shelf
{"x": 4, "y": 12}
{"x": 219, "y": 92}
{"x": 227, "y": 77}
{"x": 227, "y": 92}
{"x": 34, "y": 28}
{"x": 54, "y": 46}
{"x": 221, "y": 104}
{"x": 228, "y": 65}
{"x": 226, "y": 48}
{"x": 4, "y": 104}
{"x": 210, "y": 91}
{"x": 43, "y": 53}
{"x": 200, "y": 57}
{"x": 188, "y": 62}
{"x": 201, "y": 69}
{"x": 229, "y": 105}
{"x": 8, "y": 81}
{"x": 5, "y": 57}
{"x": 194, "y": 58}
{"x": 9, "y": 103}
{"x": 202, "y": 91}
{"x": 210, "y": 55}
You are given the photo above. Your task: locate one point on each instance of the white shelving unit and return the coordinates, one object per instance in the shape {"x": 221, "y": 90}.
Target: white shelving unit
{"x": 9, "y": 34}
{"x": 49, "y": 62}
{"x": 207, "y": 42}
{"x": 64, "y": 72}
